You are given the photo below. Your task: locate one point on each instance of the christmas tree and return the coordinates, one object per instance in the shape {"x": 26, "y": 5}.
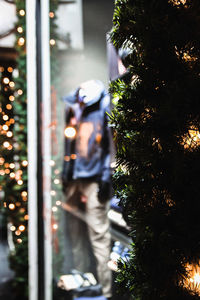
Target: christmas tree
{"x": 157, "y": 132}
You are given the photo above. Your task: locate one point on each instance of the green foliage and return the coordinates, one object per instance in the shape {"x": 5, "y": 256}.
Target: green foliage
{"x": 157, "y": 122}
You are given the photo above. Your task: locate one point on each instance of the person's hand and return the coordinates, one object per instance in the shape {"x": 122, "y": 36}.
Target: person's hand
{"x": 104, "y": 192}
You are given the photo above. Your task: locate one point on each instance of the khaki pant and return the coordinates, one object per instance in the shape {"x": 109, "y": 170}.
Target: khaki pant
{"x": 94, "y": 214}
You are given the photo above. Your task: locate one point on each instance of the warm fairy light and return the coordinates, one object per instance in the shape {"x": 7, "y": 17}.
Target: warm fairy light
{"x": 20, "y": 29}
{"x": 56, "y": 181}
{"x": 56, "y": 171}
{"x": 11, "y": 206}
{"x": 2, "y": 160}
{"x": 73, "y": 156}
{"x": 5, "y": 117}
{"x": 12, "y": 175}
{"x": 53, "y": 193}
{"x": 178, "y": 2}
{"x": 19, "y": 241}
{"x": 9, "y": 134}
{"x": 24, "y": 194}
{"x": 1, "y": 69}
{"x": 58, "y": 202}
{"x": 12, "y": 84}
{"x": 51, "y": 14}
{"x": 19, "y": 92}
{"x": 11, "y": 98}
{"x": 2, "y": 173}
{"x": 10, "y": 69}
{"x": 192, "y": 281}
{"x": 4, "y": 204}
{"x": 24, "y": 163}
{"x": 70, "y": 132}
{"x": 22, "y": 12}
{"x": 18, "y": 204}
{"x": 6, "y": 165}
{"x": 5, "y": 127}
{"x": 52, "y": 42}
{"x": 6, "y": 144}
{"x": 6, "y": 80}
{"x": 20, "y": 182}
{"x": 52, "y": 163}
{"x": 21, "y": 41}
{"x": 12, "y": 228}
{"x": 17, "y": 232}
{"x": 10, "y": 147}
{"x": 9, "y": 106}
{"x": 7, "y": 171}
{"x": 54, "y": 208}
{"x": 26, "y": 217}
{"x": 55, "y": 226}
{"x": 21, "y": 227}
{"x": 191, "y": 139}
{"x": 12, "y": 165}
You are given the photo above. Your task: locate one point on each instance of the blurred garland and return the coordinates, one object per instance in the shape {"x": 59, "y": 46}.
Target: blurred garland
{"x": 157, "y": 128}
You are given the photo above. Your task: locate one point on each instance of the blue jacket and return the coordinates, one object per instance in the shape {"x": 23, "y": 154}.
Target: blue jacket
{"x": 87, "y": 149}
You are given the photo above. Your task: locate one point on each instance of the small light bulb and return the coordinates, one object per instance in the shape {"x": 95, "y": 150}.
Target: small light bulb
{"x": 54, "y": 208}
{"x": 20, "y": 182}
{"x": 12, "y": 228}
{"x": 53, "y": 193}
{"x": 11, "y": 206}
{"x": 22, "y": 12}
{"x": 12, "y": 165}
{"x": 9, "y": 134}
{"x": 5, "y": 127}
{"x": 5, "y": 117}
{"x": 58, "y": 202}
{"x": 52, "y": 163}
{"x": 10, "y": 69}
{"x": 12, "y": 84}
{"x": 21, "y": 41}
{"x": 21, "y": 227}
{"x": 6, "y": 80}
{"x": 6, "y": 144}
{"x": 11, "y": 98}
{"x": 70, "y": 132}
{"x": 24, "y": 194}
{"x": 20, "y": 29}
{"x": 9, "y": 106}
{"x": 52, "y": 42}
{"x": 55, "y": 226}
{"x": 19, "y": 92}
{"x": 24, "y": 163}
{"x": 12, "y": 175}
{"x": 51, "y": 14}
{"x": 26, "y": 217}
{"x": 56, "y": 181}
{"x": 19, "y": 241}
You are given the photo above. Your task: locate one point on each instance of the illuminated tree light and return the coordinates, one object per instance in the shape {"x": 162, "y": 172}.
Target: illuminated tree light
{"x": 7, "y": 171}
{"x": 22, "y": 227}
{"x": 0, "y": 109}
{"x": 12, "y": 84}
{"x": 12, "y": 165}
{"x": 22, "y": 13}
{"x": 56, "y": 171}
{"x": 19, "y": 241}
{"x": 9, "y": 134}
{"x": 53, "y": 193}
{"x": 52, "y": 42}
{"x": 19, "y": 92}
{"x": 52, "y": 163}
{"x": 25, "y": 163}
{"x": 5, "y": 117}
{"x": 10, "y": 147}
{"x": 54, "y": 208}
{"x": 51, "y": 14}
{"x": 22, "y": 210}
{"x": 9, "y": 106}
{"x": 55, "y": 226}
{"x": 4, "y": 204}
{"x": 58, "y": 202}
{"x": 1, "y": 69}
{"x": 20, "y": 182}
{"x": 11, "y": 206}
{"x": 18, "y": 204}
{"x": 2, "y": 173}
{"x": 21, "y": 41}
{"x": 70, "y": 132}
{"x": 12, "y": 228}
{"x": 6, "y": 80}
{"x": 2, "y": 160}
{"x": 26, "y": 217}
{"x": 11, "y": 98}
{"x": 12, "y": 175}
{"x": 56, "y": 181}
{"x": 24, "y": 194}
{"x": 12, "y": 121}
{"x": 10, "y": 69}
{"x": 5, "y": 127}
{"x": 6, "y": 144}
{"x": 20, "y": 29}
{"x": 17, "y": 232}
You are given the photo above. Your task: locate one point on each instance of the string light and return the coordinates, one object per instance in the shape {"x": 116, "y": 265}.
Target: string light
{"x": 26, "y": 217}
{"x": 6, "y": 144}
{"x": 11, "y": 206}
{"x": 12, "y": 228}
{"x": 54, "y": 208}
{"x": 52, "y": 42}
{"x": 12, "y": 165}
{"x": 6, "y": 80}
{"x": 5, "y": 127}
{"x": 70, "y": 132}
{"x": 22, "y": 227}
{"x": 51, "y": 14}
{"x": 52, "y": 163}
{"x": 53, "y": 193}
{"x": 25, "y": 163}
{"x": 10, "y": 69}
{"x": 1, "y": 69}
{"x": 12, "y": 84}
{"x": 9, "y": 134}
{"x": 9, "y": 106}
{"x": 56, "y": 181}
{"x": 5, "y": 117}
{"x": 58, "y": 202}
{"x": 24, "y": 194}
{"x": 20, "y": 182}
{"x": 12, "y": 175}
{"x": 11, "y": 98}
{"x": 20, "y": 29}
{"x": 19, "y": 241}
{"x": 21, "y": 41}
{"x": 22, "y": 12}
{"x": 17, "y": 232}
{"x": 55, "y": 226}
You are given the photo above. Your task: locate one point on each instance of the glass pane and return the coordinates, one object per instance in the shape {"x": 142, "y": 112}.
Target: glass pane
{"x": 88, "y": 231}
